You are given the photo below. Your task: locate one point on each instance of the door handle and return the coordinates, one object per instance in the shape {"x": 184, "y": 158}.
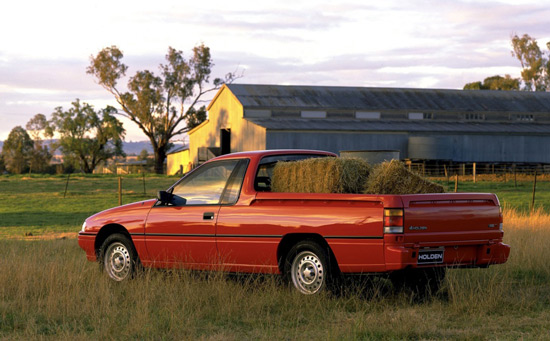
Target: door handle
{"x": 208, "y": 216}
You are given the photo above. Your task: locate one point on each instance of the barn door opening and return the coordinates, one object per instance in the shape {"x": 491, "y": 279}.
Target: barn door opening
{"x": 225, "y": 141}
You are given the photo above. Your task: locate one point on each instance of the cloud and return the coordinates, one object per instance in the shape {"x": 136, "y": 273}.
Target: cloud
{"x": 422, "y": 43}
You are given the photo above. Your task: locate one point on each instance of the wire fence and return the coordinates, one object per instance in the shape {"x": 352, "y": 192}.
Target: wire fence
{"x": 499, "y": 172}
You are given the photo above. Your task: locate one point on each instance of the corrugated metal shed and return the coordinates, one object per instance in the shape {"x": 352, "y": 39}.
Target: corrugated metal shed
{"x": 363, "y": 98}
{"x": 283, "y": 123}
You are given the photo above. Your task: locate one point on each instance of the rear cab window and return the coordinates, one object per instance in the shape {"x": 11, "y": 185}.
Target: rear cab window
{"x": 262, "y": 181}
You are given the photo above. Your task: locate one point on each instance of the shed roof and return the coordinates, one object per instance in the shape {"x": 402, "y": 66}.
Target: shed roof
{"x": 255, "y": 96}
{"x": 178, "y": 149}
{"x": 283, "y": 123}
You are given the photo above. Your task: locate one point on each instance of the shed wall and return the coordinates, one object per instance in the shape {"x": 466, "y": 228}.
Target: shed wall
{"x": 337, "y": 141}
{"x": 481, "y": 148}
{"x": 226, "y": 112}
{"x": 175, "y": 160}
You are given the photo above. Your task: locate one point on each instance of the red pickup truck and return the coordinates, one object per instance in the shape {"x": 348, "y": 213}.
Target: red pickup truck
{"x": 223, "y": 216}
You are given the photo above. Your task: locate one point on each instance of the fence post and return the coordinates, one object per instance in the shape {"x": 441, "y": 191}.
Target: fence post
{"x": 456, "y": 182}
{"x": 534, "y": 191}
{"x": 144, "y": 191}
{"x": 515, "y": 179}
{"x": 474, "y": 171}
{"x": 119, "y": 191}
{"x": 67, "y": 185}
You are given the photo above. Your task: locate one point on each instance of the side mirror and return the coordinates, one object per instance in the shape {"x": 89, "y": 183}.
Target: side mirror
{"x": 164, "y": 197}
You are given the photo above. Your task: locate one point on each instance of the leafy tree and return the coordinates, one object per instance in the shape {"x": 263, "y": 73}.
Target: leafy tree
{"x": 143, "y": 155}
{"x": 40, "y": 156}
{"x": 159, "y": 104}
{"x": 535, "y": 63}
{"x": 16, "y": 150}
{"x": 87, "y": 137}
{"x": 495, "y": 83}
{"x": 195, "y": 117}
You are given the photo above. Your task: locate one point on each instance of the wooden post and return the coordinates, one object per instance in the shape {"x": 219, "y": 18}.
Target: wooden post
{"x": 474, "y": 171}
{"x": 534, "y": 191}
{"x": 493, "y": 166}
{"x": 464, "y": 169}
{"x": 119, "y": 191}
{"x": 456, "y": 182}
{"x": 423, "y": 168}
{"x": 67, "y": 185}
{"x": 144, "y": 191}
{"x": 515, "y": 179}
{"x": 446, "y": 173}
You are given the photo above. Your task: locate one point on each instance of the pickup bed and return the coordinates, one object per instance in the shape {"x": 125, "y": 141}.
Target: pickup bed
{"x": 223, "y": 216}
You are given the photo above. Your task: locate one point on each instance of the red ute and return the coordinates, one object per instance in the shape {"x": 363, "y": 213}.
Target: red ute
{"x": 223, "y": 216}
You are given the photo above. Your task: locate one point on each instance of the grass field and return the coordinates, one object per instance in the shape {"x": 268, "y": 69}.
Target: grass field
{"x": 36, "y": 205}
{"x": 48, "y": 290}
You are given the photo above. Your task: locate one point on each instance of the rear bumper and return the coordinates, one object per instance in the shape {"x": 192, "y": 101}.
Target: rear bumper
{"x": 400, "y": 257}
{"x": 87, "y": 243}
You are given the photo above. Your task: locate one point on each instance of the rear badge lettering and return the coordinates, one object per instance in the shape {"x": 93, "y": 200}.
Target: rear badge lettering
{"x": 418, "y": 228}
{"x": 430, "y": 256}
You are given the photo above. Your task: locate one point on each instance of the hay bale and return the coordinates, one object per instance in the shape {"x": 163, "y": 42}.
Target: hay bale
{"x": 321, "y": 175}
{"x": 393, "y": 178}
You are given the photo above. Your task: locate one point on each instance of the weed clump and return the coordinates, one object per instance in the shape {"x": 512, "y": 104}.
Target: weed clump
{"x": 321, "y": 175}
{"x": 391, "y": 177}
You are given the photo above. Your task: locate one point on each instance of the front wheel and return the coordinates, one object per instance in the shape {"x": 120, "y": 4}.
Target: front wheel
{"x": 119, "y": 257}
{"x": 307, "y": 267}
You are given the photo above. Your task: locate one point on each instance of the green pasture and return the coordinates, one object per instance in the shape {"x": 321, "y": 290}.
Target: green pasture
{"x": 38, "y": 204}
{"x": 516, "y": 195}
{"x": 48, "y": 290}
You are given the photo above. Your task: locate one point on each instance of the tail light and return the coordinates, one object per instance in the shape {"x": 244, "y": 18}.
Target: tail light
{"x": 393, "y": 220}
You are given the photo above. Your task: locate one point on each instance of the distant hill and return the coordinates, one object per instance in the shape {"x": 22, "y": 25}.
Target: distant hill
{"x": 130, "y": 147}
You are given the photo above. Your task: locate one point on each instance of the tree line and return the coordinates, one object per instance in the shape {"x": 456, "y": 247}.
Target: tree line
{"x": 535, "y": 68}
{"x": 162, "y": 106}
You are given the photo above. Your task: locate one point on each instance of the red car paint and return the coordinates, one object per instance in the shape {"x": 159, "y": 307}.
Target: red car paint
{"x": 252, "y": 234}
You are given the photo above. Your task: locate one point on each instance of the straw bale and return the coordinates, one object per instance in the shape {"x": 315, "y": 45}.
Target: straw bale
{"x": 393, "y": 178}
{"x": 321, "y": 175}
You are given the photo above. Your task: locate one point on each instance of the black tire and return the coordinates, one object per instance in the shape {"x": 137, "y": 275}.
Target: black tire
{"x": 307, "y": 267}
{"x": 119, "y": 258}
{"x": 422, "y": 282}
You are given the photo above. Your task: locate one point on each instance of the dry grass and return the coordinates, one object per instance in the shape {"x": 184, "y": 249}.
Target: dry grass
{"x": 49, "y": 291}
{"x": 321, "y": 175}
{"x": 391, "y": 177}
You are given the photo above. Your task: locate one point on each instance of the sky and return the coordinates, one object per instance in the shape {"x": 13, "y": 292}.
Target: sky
{"x": 45, "y": 46}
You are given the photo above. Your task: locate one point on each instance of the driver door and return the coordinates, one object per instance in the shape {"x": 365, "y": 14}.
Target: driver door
{"x": 183, "y": 231}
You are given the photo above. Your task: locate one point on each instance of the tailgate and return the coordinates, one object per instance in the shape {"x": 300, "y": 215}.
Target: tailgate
{"x": 451, "y": 219}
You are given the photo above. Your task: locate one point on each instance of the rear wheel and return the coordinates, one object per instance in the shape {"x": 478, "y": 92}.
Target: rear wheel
{"x": 119, "y": 257}
{"x": 307, "y": 267}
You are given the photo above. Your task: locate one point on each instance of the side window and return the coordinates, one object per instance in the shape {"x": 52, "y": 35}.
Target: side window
{"x": 205, "y": 186}
{"x": 233, "y": 188}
